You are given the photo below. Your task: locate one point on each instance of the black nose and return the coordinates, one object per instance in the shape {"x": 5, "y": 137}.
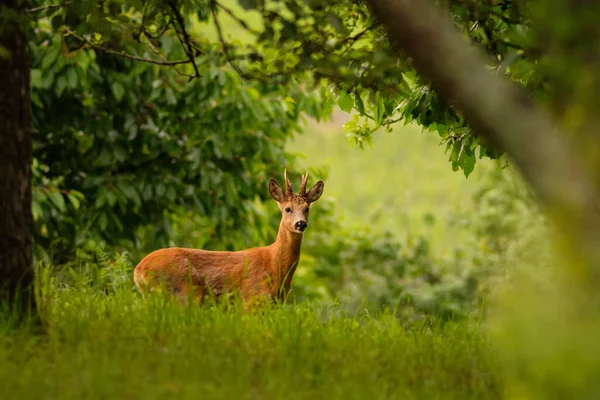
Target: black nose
{"x": 300, "y": 226}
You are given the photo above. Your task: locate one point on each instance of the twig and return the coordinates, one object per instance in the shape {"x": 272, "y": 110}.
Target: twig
{"x": 222, "y": 40}
{"x": 504, "y": 18}
{"x": 162, "y": 57}
{"x": 475, "y": 25}
{"x": 125, "y": 55}
{"x": 354, "y": 38}
{"x": 143, "y": 26}
{"x": 185, "y": 42}
{"x": 48, "y": 7}
{"x": 240, "y": 21}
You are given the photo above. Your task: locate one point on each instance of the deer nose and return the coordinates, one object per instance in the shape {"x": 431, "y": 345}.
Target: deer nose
{"x": 300, "y": 226}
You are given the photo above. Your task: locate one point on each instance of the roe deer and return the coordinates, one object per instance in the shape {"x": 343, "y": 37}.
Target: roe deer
{"x": 258, "y": 273}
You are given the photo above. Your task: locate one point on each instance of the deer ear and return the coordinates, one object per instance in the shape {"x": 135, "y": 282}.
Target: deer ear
{"x": 276, "y": 191}
{"x": 315, "y": 192}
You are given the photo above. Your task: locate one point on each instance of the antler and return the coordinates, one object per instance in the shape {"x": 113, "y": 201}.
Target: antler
{"x": 288, "y": 185}
{"x": 303, "y": 185}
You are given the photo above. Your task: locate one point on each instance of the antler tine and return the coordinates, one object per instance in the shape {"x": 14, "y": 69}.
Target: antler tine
{"x": 288, "y": 184}
{"x": 303, "y": 185}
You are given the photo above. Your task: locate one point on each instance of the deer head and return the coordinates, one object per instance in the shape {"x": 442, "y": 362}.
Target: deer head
{"x": 295, "y": 207}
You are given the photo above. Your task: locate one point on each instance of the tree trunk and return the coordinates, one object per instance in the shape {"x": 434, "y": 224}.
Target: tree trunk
{"x": 16, "y": 222}
{"x": 500, "y": 111}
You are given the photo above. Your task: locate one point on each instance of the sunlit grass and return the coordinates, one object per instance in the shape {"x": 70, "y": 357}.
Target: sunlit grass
{"x": 119, "y": 346}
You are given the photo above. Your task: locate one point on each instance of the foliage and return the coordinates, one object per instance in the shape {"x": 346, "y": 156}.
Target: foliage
{"x": 339, "y": 43}
{"x": 373, "y": 269}
{"x": 140, "y": 144}
{"x": 180, "y": 139}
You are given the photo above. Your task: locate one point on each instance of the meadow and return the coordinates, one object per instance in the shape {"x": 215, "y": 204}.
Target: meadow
{"x": 117, "y": 346}
{"x": 102, "y": 340}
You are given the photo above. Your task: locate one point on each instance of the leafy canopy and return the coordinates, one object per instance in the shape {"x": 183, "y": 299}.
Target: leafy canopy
{"x": 168, "y": 112}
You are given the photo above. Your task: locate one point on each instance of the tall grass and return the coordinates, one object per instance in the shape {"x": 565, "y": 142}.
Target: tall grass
{"x": 100, "y": 345}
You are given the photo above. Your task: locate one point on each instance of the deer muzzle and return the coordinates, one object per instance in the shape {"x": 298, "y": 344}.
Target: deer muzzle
{"x": 300, "y": 226}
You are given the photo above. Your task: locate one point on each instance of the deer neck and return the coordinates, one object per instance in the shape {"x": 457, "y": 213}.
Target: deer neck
{"x": 286, "y": 252}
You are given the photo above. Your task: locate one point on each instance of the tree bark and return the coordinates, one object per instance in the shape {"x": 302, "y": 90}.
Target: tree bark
{"x": 16, "y": 222}
{"x": 502, "y": 112}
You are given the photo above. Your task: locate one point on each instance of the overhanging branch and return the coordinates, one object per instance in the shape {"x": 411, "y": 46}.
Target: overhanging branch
{"x": 237, "y": 69}
{"x": 47, "y": 7}
{"x": 501, "y": 111}
{"x": 184, "y": 38}
{"x": 103, "y": 49}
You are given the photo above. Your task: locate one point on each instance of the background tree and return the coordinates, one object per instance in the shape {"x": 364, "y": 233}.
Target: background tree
{"x": 175, "y": 85}
{"x": 15, "y": 160}
{"x": 205, "y": 141}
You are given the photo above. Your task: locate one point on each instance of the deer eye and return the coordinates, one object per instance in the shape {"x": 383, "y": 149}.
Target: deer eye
{"x": 288, "y": 210}
{"x": 307, "y": 210}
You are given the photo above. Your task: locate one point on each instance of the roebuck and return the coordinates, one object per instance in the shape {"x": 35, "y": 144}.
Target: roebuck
{"x": 256, "y": 273}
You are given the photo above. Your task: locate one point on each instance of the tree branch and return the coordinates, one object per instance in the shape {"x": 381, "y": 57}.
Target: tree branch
{"x": 103, "y": 49}
{"x": 162, "y": 57}
{"x": 48, "y": 7}
{"x": 240, "y": 21}
{"x": 186, "y": 40}
{"x": 237, "y": 69}
{"x": 501, "y": 112}
{"x": 354, "y": 38}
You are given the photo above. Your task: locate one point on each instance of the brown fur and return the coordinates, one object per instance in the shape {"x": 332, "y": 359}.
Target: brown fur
{"x": 261, "y": 273}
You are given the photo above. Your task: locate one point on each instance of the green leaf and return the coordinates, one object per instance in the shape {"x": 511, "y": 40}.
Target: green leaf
{"x": 50, "y": 57}
{"x": 36, "y": 78}
{"x": 100, "y": 200}
{"x": 171, "y": 193}
{"x": 345, "y": 101}
{"x": 248, "y": 4}
{"x": 61, "y": 83}
{"x": 120, "y": 152}
{"x": 74, "y": 200}
{"x": 379, "y": 112}
{"x": 47, "y": 80}
{"x": 170, "y": 96}
{"x": 111, "y": 197}
{"x": 116, "y": 221}
{"x": 130, "y": 192}
{"x": 358, "y": 104}
{"x": 351, "y": 125}
{"x": 147, "y": 192}
{"x": 36, "y": 210}
{"x": 160, "y": 190}
{"x": 102, "y": 221}
{"x": 58, "y": 199}
{"x": 467, "y": 163}
{"x": 72, "y": 78}
{"x": 118, "y": 90}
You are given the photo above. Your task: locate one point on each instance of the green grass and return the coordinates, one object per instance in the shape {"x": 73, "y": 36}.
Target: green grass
{"x": 120, "y": 346}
